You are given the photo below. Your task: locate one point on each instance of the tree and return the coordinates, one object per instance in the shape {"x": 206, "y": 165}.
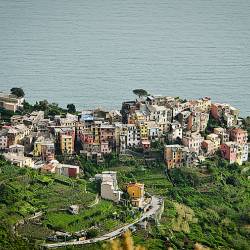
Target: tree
{"x": 140, "y": 92}
{"x": 17, "y": 92}
{"x": 42, "y": 105}
{"x": 71, "y": 108}
{"x": 27, "y": 107}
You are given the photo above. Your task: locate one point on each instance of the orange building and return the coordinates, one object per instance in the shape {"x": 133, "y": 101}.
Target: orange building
{"x": 173, "y": 156}
{"x": 136, "y": 193}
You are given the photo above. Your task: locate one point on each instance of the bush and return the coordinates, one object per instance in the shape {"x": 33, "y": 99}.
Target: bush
{"x": 92, "y": 233}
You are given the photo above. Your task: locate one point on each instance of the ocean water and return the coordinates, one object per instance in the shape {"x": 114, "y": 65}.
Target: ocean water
{"x": 94, "y": 53}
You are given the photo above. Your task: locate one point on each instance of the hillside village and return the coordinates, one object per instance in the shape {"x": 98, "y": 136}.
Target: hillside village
{"x": 191, "y": 131}
{"x": 178, "y": 133}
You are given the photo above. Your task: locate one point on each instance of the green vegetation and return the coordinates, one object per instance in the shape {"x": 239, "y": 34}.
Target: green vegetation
{"x": 208, "y": 204}
{"x": 5, "y": 115}
{"x": 24, "y": 191}
{"x": 140, "y": 92}
{"x": 212, "y": 123}
{"x": 50, "y": 109}
{"x": 71, "y": 108}
{"x": 103, "y": 217}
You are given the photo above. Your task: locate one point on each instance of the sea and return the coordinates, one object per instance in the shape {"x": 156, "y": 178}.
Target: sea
{"x": 93, "y": 53}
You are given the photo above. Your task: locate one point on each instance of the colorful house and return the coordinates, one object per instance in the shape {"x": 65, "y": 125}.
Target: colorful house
{"x": 193, "y": 141}
{"x": 176, "y": 156}
{"x": 229, "y": 151}
{"x": 136, "y": 193}
{"x": 66, "y": 144}
{"x": 239, "y": 135}
{"x": 3, "y": 139}
{"x": 11, "y": 102}
{"x": 19, "y": 160}
{"x": 105, "y": 149}
{"x": 143, "y": 128}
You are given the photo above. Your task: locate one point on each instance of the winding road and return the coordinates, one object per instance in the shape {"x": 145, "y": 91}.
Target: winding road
{"x": 153, "y": 207}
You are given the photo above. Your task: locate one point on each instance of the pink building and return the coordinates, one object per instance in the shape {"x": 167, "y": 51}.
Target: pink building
{"x": 107, "y": 132}
{"x": 239, "y": 135}
{"x": 86, "y": 138}
{"x": 229, "y": 151}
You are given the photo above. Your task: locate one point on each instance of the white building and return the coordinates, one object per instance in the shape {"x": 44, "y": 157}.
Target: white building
{"x": 10, "y": 102}
{"x": 16, "y": 149}
{"x": 222, "y": 133}
{"x": 193, "y": 141}
{"x": 19, "y": 160}
{"x": 229, "y": 120}
{"x": 109, "y": 186}
{"x": 158, "y": 113}
{"x": 245, "y": 152}
{"x": 133, "y": 135}
{"x": 175, "y": 131}
{"x": 153, "y": 130}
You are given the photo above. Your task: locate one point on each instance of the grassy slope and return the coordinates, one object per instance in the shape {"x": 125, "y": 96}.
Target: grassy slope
{"x": 209, "y": 205}
{"x": 25, "y": 191}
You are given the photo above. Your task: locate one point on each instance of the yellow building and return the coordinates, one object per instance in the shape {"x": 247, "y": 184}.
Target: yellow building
{"x": 143, "y": 127}
{"x": 239, "y": 155}
{"x": 136, "y": 193}
{"x": 37, "y": 151}
{"x": 66, "y": 144}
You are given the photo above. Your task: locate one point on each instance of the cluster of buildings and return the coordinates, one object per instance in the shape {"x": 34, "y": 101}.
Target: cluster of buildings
{"x": 180, "y": 124}
{"x": 110, "y": 190}
{"x": 196, "y": 143}
{"x": 33, "y": 141}
{"x": 55, "y": 167}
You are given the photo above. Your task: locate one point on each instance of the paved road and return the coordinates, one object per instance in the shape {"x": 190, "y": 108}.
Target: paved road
{"x": 154, "y": 207}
